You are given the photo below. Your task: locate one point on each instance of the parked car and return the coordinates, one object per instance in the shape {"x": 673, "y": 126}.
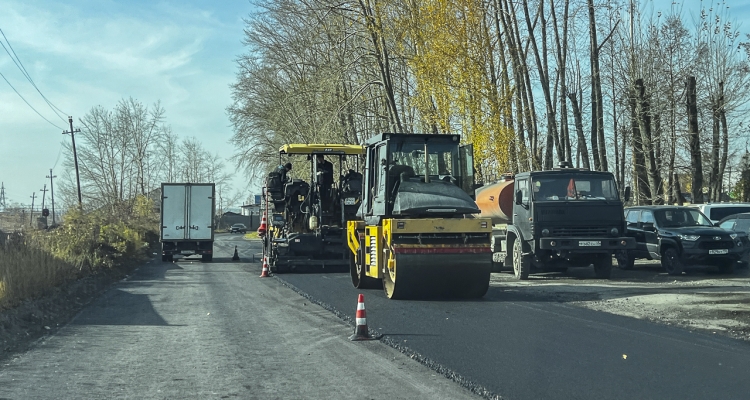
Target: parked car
{"x": 679, "y": 236}
{"x": 718, "y": 211}
{"x": 238, "y": 228}
{"x": 739, "y": 223}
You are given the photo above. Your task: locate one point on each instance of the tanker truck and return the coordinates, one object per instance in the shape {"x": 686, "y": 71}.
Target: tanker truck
{"x": 556, "y": 219}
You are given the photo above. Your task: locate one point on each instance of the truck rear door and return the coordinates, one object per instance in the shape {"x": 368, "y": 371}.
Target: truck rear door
{"x": 173, "y": 212}
{"x": 201, "y": 212}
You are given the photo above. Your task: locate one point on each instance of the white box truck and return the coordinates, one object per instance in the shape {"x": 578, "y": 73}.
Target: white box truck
{"x": 187, "y": 226}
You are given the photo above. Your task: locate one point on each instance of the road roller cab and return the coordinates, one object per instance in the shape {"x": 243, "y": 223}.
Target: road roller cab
{"x": 415, "y": 233}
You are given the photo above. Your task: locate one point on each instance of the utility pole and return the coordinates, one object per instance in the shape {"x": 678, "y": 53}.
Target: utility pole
{"x": 75, "y": 157}
{"x": 44, "y": 195}
{"x": 52, "y": 192}
{"x": 2, "y": 196}
{"x": 31, "y": 213}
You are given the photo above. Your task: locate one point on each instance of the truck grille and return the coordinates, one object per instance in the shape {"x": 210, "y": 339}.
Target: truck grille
{"x": 579, "y": 231}
{"x": 716, "y": 244}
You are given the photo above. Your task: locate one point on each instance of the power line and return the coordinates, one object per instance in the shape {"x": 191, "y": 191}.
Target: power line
{"x": 59, "y": 152}
{"x": 27, "y": 103}
{"x": 21, "y": 67}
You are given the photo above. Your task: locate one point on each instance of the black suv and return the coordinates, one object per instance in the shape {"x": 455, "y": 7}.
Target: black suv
{"x": 679, "y": 236}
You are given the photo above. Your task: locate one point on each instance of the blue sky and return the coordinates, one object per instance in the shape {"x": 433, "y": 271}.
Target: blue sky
{"x": 84, "y": 53}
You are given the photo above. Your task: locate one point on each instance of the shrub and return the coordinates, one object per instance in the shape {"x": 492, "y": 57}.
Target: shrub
{"x": 82, "y": 244}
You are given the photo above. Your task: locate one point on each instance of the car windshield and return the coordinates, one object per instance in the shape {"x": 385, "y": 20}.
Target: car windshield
{"x": 676, "y": 218}
{"x": 574, "y": 187}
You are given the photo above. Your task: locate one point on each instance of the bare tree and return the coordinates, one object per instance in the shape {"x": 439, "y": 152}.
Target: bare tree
{"x": 695, "y": 151}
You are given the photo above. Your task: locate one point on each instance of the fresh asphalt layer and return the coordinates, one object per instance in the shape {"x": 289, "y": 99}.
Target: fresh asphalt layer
{"x": 521, "y": 347}
{"x": 193, "y": 330}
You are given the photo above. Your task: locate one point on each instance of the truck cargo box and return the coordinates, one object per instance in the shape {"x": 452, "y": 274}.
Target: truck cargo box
{"x": 187, "y": 211}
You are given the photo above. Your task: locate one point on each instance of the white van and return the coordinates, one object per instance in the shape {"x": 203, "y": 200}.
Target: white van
{"x": 717, "y": 211}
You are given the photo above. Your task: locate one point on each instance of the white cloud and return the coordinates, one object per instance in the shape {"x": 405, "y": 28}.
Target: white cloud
{"x": 87, "y": 53}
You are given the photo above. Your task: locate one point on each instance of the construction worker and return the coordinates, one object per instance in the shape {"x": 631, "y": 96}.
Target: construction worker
{"x": 283, "y": 170}
{"x": 325, "y": 180}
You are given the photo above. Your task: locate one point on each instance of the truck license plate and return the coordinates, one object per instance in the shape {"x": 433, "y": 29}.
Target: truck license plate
{"x": 589, "y": 243}
{"x": 718, "y": 251}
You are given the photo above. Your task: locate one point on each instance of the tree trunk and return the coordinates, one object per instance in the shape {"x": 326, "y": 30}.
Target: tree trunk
{"x": 543, "y": 70}
{"x": 724, "y": 142}
{"x": 582, "y": 149}
{"x": 694, "y": 141}
{"x": 562, "y": 56}
{"x": 644, "y": 120}
{"x": 643, "y": 191}
{"x": 677, "y": 195}
{"x": 713, "y": 175}
{"x": 525, "y": 109}
{"x": 381, "y": 55}
{"x": 598, "y": 143}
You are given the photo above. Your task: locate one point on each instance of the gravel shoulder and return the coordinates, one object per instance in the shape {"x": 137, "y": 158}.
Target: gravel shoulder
{"x": 701, "y": 299}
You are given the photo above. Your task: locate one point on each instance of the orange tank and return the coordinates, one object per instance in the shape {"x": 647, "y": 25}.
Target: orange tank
{"x": 496, "y": 201}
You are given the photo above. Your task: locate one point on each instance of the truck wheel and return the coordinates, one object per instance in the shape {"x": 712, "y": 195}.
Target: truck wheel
{"x": 207, "y": 257}
{"x": 603, "y": 266}
{"x": 624, "y": 259}
{"x": 521, "y": 263}
{"x": 671, "y": 262}
{"x": 166, "y": 258}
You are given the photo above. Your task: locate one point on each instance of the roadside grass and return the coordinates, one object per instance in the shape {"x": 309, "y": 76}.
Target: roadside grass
{"x": 86, "y": 243}
{"x": 252, "y": 235}
{"x": 27, "y": 271}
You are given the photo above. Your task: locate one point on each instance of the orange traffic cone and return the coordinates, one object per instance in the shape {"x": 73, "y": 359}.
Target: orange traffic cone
{"x": 360, "y": 331}
{"x": 264, "y": 273}
{"x": 263, "y": 226}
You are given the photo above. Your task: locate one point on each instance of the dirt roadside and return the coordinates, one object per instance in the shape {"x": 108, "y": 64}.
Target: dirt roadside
{"x": 35, "y": 318}
{"x": 701, "y": 299}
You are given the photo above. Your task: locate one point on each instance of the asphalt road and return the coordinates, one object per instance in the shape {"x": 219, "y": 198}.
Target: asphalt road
{"x": 522, "y": 346}
{"x": 193, "y": 330}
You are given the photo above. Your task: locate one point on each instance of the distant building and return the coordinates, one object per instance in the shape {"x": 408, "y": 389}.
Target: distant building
{"x": 230, "y": 218}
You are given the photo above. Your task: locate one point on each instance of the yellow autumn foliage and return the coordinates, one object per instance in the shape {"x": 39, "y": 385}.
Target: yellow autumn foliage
{"x": 450, "y": 53}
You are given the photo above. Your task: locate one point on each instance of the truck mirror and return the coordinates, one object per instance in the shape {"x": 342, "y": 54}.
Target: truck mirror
{"x": 648, "y": 226}
{"x": 519, "y": 197}
{"x": 627, "y": 193}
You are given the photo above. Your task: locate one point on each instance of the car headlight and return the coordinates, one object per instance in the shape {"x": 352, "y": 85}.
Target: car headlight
{"x": 614, "y": 231}
{"x": 689, "y": 238}
{"x": 545, "y": 232}
{"x": 733, "y": 235}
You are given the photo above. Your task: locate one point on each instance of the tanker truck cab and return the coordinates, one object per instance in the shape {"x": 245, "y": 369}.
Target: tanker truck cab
{"x": 415, "y": 233}
{"x": 561, "y": 218}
